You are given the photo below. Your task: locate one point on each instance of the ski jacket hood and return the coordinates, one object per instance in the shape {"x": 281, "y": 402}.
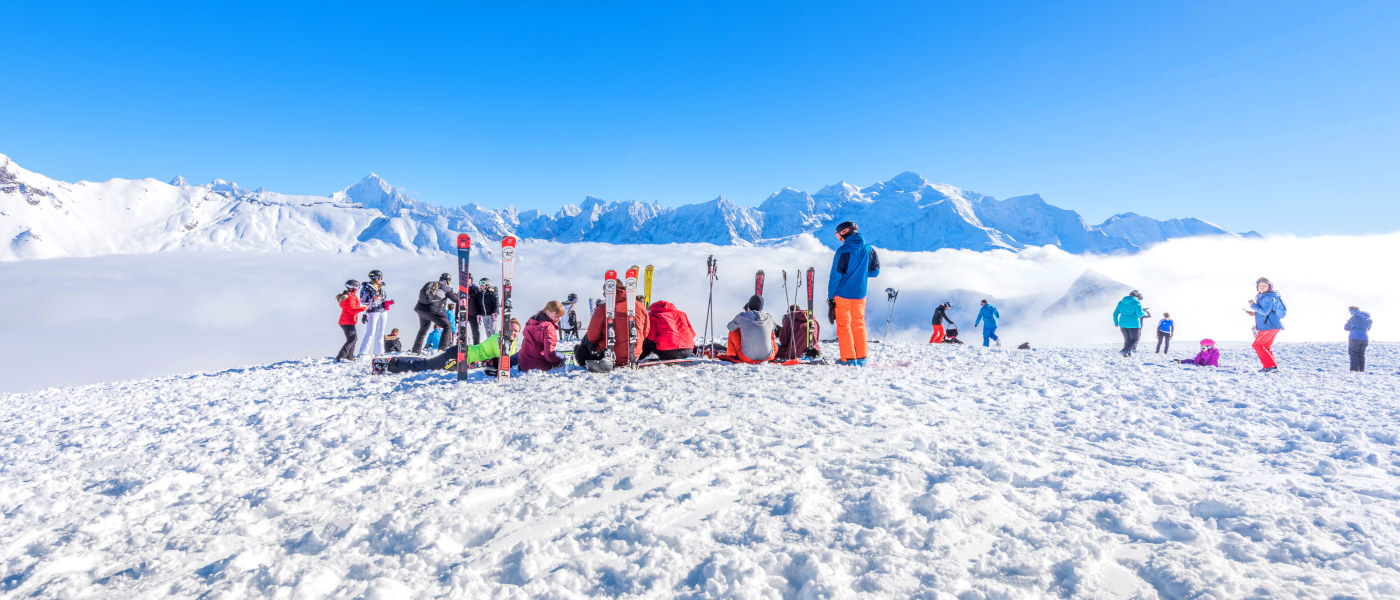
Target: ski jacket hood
{"x": 1358, "y": 325}
{"x": 1128, "y": 314}
{"x": 990, "y": 314}
{"x": 596, "y": 325}
{"x": 537, "y": 344}
{"x": 755, "y": 333}
{"x": 855, "y": 262}
{"x": 1266, "y": 308}
{"x": 794, "y": 337}
{"x": 670, "y": 327}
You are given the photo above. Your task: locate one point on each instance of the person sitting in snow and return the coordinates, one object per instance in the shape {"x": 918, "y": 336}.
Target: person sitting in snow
{"x": 592, "y": 346}
{"x": 751, "y": 334}
{"x": 670, "y": 335}
{"x": 392, "y": 343}
{"x": 798, "y": 335}
{"x": 537, "y": 345}
{"x": 1207, "y": 357}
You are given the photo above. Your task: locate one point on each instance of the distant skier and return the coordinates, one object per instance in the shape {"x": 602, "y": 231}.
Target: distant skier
{"x": 751, "y": 334}
{"x": 475, "y": 308}
{"x": 1128, "y": 316}
{"x": 435, "y": 336}
{"x": 669, "y": 333}
{"x": 1165, "y": 329}
{"x": 853, "y": 265}
{"x": 1357, "y": 339}
{"x": 990, "y": 315}
{"x": 350, "y": 309}
{"x": 569, "y": 324}
{"x": 1207, "y": 357}
{"x": 376, "y": 313}
{"x": 1268, "y": 311}
{"x": 541, "y": 337}
{"x": 940, "y": 316}
{"x": 392, "y": 343}
{"x": 432, "y": 310}
{"x": 796, "y": 335}
{"x": 490, "y": 305}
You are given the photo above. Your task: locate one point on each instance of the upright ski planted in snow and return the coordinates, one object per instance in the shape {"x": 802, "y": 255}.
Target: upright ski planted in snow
{"x": 631, "y": 282}
{"x": 606, "y": 363}
{"x": 811, "y": 317}
{"x": 507, "y": 278}
{"x": 758, "y": 283}
{"x": 647, "y": 285}
{"x": 464, "y": 277}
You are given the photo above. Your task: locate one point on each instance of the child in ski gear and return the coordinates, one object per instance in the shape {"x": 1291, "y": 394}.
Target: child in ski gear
{"x": 1128, "y": 316}
{"x": 990, "y": 315}
{"x": 432, "y": 309}
{"x": 591, "y": 348}
{"x": 853, "y": 265}
{"x": 376, "y": 313}
{"x": 540, "y": 338}
{"x": 751, "y": 334}
{"x": 940, "y": 315}
{"x": 1165, "y": 328}
{"x": 1268, "y": 311}
{"x": 952, "y": 336}
{"x": 435, "y": 336}
{"x": 669, "y": 335}
{"x": 1357, "y": 339}
{"x": 797, "y": 334}
{"x": 1207, "y": 357}
{"x": 350, "y": 309}
{"x": 392, "y": 343}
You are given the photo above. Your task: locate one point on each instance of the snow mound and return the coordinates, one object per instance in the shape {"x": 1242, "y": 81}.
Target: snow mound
{"x": 938, "y": 472}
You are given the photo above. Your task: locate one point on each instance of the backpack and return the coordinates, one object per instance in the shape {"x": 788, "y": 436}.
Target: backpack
{"x": 1282, "y": 310}
{"x": 428, "y": 295}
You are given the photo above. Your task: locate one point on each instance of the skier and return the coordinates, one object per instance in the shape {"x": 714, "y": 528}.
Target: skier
{"x": 669, "y": 335}
{"x": 350, "y": 309}
{"x": 794, "y": 337}
{"x": 852, "y": 266}
{"x": 1165, "y": 328}
{"x": 435, "y": 337}
{"x": 1268, "y": 311}
{"x": 940, "y": 314}
{"x": 432, "y": 309}
{"x": 392, "y": 343}
{"x": 490, "y": 305}
{"x": 569, "y": 325}
{"x": 990, "y": 314}
{"x": 540, "y": 339}
{"x": 751, "y": 334}
{"x": 1207, "y": 357}
{"x": 376, "y": 313}
{"x": 475, "y": 308}
{"x": 1128, "y": 316}
{"x": 591, "y": 348}
{"x": 1357, "y": 326}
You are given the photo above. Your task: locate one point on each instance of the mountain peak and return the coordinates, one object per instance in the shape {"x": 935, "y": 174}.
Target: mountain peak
{"x": 179, "y": 181}
{"x": 909, "y": 179}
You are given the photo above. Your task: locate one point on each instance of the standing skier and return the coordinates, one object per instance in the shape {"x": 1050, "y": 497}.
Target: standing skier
{"x": 1165, "y": 328}
{"x": 432, "y": 310}
{"x": 1128, "y": 316}
{"x": 569, "y": 324}
{"x": 855, "y": 263}
{"x": 940, "y": 315}
{"x": 350, "y": 309}
{"x": 990, "y": 315}
{"x": 475, "y": 308}
{"x": 1357, "y": 326}
{"x": 1268, "y": 311}
{"x": 376, "y": 313}
{"x": 490, "y": 305}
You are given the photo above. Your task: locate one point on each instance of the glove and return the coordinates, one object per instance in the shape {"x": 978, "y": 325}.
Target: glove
{"x": 387, "y": 304}
{"x": 364, "y": 318}
{"x": 831, "y": 311}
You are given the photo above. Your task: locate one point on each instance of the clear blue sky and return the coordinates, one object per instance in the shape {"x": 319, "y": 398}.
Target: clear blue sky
{"x": 1278, "y": 116}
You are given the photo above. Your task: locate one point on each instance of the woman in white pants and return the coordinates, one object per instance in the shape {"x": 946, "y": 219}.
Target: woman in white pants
{"x": 377, "y": 313}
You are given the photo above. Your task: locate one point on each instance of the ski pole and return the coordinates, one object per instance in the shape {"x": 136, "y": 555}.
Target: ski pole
{"x": 892, "y": 295}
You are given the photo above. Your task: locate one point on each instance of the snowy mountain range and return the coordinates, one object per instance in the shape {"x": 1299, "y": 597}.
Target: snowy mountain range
{"x": 44, "y": 218}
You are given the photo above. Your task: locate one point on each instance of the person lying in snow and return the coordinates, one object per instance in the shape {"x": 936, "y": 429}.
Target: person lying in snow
{"x": 751, "y": 335}
{"x": 1208, "y": 356}
{"x": 487, "y": 352}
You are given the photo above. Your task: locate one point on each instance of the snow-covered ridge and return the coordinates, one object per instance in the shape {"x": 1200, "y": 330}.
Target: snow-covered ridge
{"x": 44, "y": 218}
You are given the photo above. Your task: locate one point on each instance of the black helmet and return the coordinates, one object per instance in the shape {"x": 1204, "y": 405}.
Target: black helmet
{"x": 351, "y": 284}
{"x": 376, "y": 275}
{"x": 445, "y": 277}
{"x": 846, "y": 228}
{"x": 573, "y": 297}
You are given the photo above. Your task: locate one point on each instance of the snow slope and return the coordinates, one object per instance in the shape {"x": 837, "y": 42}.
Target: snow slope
{"x": 44, "y": 218}
{"x": 941, "y": 472}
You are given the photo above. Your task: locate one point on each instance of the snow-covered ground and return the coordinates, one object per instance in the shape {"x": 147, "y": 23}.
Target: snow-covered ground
{"x": 940, "y": 472}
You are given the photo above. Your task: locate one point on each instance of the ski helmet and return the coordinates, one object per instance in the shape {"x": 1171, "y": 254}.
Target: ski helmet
{"x": 573, "y": 297}
{"x": 445, "y": 277}
{"x": 376, "y": 275}
{"x": 351, "y": 284}
{"x": 1135, "y": 294}
{"x": 846, "y": 228}
{"x": 1207, "y": 342}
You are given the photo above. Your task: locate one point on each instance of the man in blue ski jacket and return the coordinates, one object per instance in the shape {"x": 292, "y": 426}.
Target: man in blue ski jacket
{"x": 855, "y": 262}
{"x": 990, "y": 314}
{"x": 1357, "y": 326}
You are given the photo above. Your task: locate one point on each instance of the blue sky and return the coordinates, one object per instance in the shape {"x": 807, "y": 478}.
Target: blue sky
{"x": 1278, "y": 116}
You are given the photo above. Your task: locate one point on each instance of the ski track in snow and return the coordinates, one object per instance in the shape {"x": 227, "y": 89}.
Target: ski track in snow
{"x": 943, "y": 472}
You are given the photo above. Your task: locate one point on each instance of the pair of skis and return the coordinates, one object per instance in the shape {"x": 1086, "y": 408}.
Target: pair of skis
{"x": 610, "y": 293}
{"x": 811, "y": 276}
{"x": 464, "y": 246}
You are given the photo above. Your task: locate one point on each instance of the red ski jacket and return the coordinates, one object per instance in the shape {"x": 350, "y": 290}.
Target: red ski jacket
{"x": 350, "y": 309}
{"x": 670, "y": 328}
{"x": 595, "y": 329}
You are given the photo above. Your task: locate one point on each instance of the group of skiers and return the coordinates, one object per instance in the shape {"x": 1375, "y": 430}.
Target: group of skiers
{"x": 662, "y": 332}
{"x": 1268, "y": 310}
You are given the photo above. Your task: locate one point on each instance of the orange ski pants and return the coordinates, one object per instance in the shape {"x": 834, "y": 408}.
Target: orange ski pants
{"x": 938, "y": 335}
{"x": 735, "y": 349}
{"x": 850, "y": 327}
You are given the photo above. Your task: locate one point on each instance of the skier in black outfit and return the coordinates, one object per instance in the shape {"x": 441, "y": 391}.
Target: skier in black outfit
{"x": 940, "y": 315}
{"x": 490, "y": 303}
{"x": 475, "y": 308}
{"x": 432, "y": 310}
